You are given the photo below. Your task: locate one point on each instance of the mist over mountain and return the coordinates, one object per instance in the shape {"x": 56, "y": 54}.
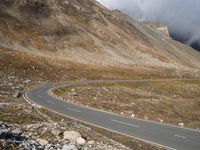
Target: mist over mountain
{"x": 186, "y": 39}
{"x": 181, "y": 16}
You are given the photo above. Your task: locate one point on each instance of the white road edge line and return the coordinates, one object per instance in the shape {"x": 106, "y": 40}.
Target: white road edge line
{"x": 132, "y": 125}
{"x": 179, "y": 136}
{"x": 30, "y": 102}
{"x": 74, "y": 110}
{"x": 150, "y": 142}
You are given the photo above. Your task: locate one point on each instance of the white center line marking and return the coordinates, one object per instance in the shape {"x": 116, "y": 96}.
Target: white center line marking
{"x": 74, "y": 110}
{"x": 50, "y": 102}
{"x": 132, "y": 125}
{"x": 179, "y": 136}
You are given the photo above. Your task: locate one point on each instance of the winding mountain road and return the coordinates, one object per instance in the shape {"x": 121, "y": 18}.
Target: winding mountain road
{"x": 167, "y": 136}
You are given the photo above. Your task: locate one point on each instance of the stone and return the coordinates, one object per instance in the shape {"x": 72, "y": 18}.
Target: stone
{"x": 48, "y": 146}
{"x": 17, "y": 95}
{"x": 19, "y": 86}
{"x": 27, "y": 81}
{"x": 17, "y": 131}
{"x": 71, "y": 136}
{"x": 80, "y": 141}
{"x": 42, "y": 142}
{"x": 91, "y": 142}
{"x": 2, "y": 142}
{"x": 3, "y": 105}
{"x": 73, "y": 92}
{"x": 1, "y": 123}
{"x": 69, "y": 147}
{"x": 56, "y": 132}
{"x": 181, "y": 124}
{"x": 146, "y": 117}
{"x": 57, "y": 146}
{"x": 30, "y": 134}
{"x": 33, "y": 148}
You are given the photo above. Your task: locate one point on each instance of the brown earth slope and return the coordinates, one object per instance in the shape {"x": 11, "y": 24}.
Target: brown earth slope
{"x": 86, "y": 32}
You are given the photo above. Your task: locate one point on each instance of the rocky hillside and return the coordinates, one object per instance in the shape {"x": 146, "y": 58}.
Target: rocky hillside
{"x": 86, "y": 32}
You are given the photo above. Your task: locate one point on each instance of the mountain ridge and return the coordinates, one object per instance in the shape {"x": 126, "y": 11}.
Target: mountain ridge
{"x": 87, "y": 32}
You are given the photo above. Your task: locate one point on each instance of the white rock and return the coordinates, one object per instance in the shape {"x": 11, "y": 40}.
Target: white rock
{"x": 17, "y": 131}
{"x": 80, "y": 141}
{"x": 71, "y": 136}
{"x": 56, "y": 132}
{"x": 69, "y": 147}
{"x": 91, "y": 142}
{"x": 42, "y": 142}
{"x": 27, "y": 81}
{"x": 181, "y": 124}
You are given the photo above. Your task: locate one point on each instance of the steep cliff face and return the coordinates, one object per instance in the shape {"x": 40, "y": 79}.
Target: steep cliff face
{"x": 84, "y": 31}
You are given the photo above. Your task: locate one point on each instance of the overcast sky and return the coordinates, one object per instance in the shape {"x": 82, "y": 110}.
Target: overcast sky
{"x": 181, "y": 16}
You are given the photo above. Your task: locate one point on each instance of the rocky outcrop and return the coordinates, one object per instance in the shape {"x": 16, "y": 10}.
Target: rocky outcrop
{"x": 162, "y": 29}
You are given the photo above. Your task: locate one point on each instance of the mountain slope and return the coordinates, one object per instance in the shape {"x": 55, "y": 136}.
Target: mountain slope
{"x": 86, "y": 32}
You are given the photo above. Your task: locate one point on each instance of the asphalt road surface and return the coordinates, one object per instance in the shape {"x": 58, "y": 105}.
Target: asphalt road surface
{"x": 167, "y": 136}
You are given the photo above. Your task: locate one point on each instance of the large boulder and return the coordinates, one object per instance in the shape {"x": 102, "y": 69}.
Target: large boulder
{"x": 74, "y": 137}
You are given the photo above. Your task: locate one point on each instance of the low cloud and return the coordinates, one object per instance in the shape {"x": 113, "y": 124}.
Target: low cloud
{"x": 181, "y": 16}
